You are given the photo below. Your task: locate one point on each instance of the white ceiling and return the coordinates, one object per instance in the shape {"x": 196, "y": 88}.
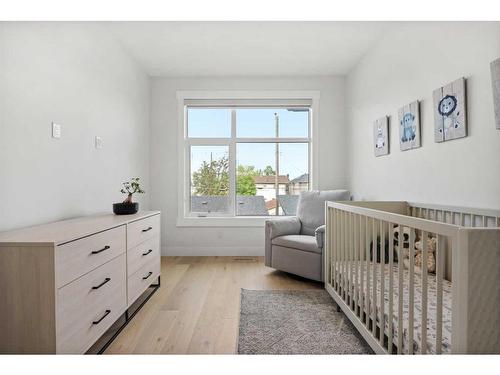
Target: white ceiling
{"x": 247, "y": 48}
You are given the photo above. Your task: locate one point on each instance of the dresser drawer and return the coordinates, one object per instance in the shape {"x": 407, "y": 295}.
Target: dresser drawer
{"x": 76, "y": 258}
{"x": 142, "y": 230}
{"x": 88, "y": 306}
{"x": 142, "y": 279}
{"x": 142, "y": 254}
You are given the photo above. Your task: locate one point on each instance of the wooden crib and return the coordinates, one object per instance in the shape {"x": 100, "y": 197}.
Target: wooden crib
{"x": 398, "y": 308}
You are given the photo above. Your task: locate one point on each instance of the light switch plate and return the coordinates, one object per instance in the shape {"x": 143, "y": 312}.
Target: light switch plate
{"x": 56, "y": 130}
{"x": 98, "y": 142}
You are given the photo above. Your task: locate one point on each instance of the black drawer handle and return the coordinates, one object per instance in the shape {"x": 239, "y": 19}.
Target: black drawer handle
{"x": 107, "y": 279}
{"x": 147, "y": 229}
{"x": 102, "y": 317}
{"x": 100, "y": 251}
{"x": 147, "y": 252}
{"x": 147, "y": 277}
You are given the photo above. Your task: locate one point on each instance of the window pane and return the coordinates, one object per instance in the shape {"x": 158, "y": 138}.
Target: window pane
{"x": 261, "y": 122}
{"x": 210, "y": 179}
{"x": 256, "y": 181}
{"x": 209, "y": 122}
{"x": 255, "y": 170}
{"x": 294, "y": 163}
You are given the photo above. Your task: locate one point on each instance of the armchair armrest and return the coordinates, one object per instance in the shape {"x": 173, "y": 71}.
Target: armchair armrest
{"x": 279, "y": 227}
{"x": 320, "y": 236}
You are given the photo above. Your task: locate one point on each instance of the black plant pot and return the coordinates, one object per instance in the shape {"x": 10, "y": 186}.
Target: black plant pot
{"x": 125, "y": 208}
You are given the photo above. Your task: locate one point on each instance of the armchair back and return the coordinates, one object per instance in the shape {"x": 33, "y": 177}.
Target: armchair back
{"x": 311, "y": 207}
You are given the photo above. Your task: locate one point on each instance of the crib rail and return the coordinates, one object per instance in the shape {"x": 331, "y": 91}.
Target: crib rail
{"x": 462, "y": 216}
{"x": 377, "y": 291}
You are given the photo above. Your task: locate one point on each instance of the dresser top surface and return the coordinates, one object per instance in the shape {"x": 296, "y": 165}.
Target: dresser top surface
{"x": 68, "y": 230}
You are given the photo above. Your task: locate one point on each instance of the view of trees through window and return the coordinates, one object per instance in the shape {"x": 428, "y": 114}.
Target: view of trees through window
{"x": 269, "y": 171}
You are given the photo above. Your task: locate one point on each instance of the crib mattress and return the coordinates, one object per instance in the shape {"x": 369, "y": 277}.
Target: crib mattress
{"x": 417, "y": 321}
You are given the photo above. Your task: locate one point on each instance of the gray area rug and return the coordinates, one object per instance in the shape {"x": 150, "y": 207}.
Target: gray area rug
{"x": 295, "y": 322}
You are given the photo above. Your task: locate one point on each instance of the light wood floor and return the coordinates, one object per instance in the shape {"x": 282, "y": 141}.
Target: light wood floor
{"x": 196, "y": 310}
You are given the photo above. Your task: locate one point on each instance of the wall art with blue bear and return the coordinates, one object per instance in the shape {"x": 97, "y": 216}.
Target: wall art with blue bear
{"x": 409, "y": 126}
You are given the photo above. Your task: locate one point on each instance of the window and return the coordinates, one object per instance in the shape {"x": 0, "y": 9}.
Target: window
{"x": 245, "y": 158}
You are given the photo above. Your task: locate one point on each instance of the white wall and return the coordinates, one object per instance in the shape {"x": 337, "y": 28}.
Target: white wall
{"x": 408, "y": 64}
{"x": 165, "y": 151}
{"x": 75, "y": 75}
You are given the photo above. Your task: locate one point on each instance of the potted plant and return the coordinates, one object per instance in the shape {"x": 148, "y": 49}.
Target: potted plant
{"x": 127, "y": 207}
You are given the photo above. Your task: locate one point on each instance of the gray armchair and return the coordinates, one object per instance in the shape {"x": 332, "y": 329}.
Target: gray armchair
{"x": 294, "y": 244}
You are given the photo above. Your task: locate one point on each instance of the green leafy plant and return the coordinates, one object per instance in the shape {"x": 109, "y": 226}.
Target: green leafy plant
{"x": 212, "y": 178}
{"x": 130, "y": 188}
{"x": 245, "y": 184}
{"x": 268, "y": 171}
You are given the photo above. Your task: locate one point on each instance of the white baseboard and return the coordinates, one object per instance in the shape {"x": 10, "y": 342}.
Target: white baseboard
{"x": 212, "y": 251}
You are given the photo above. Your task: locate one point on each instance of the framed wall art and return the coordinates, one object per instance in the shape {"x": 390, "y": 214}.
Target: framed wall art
{"x": 409, "y": 126}
{"x": 450, "y": 117}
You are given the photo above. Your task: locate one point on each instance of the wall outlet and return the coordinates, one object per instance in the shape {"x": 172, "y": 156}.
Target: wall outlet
{"x": 56, "y": 130}
{"x": 98, "y": 142}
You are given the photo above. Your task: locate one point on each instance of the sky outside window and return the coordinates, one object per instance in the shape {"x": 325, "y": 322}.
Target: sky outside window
{"x": 209, "y": 122}
{"x": 260, "y": 123}
{"x": 254, "y": 123}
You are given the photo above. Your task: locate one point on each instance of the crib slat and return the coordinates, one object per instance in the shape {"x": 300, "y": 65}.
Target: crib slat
{"x": 485, "y": 221}
{"x": 346, "y": 268}
{"x": 374, "y": 280}
{"x": 400, "y": 288}
{"x": 367, "y": 263}
{"x": 351, "y": 259}
{"x": 351, "y": 240}
{"x": 339, "y": 252}
{"x": 439, "y": 291}
{"x": 342, "y": 253}
{"x": 411, "y": 291}
{"x": 361, "y": 269}
{"x": 336, "y": 252}
{"x": 382, "y": 281}
{"x": 332, "y": 234}
{"x": 347, "y": 260}
{"x": 391, "y": 286}
{"x": 335, "y": 248}
{"x": 356, "y": 263}
{"x": 424, "y": 293}
{"x": 349, "y": 269}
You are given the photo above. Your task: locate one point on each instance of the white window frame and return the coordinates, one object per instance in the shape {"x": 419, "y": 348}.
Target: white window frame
{"x": 223, "y": 98}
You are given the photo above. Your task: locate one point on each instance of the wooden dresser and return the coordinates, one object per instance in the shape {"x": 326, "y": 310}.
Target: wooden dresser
{"x": 63, "y": 284}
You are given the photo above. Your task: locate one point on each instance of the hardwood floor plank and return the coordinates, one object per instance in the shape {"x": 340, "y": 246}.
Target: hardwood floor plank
{"x": 196, "y": 310}
{"x": 153, "y": 337}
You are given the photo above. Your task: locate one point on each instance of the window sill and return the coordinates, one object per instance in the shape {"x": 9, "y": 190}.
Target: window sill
{"x": 242, "y": 221}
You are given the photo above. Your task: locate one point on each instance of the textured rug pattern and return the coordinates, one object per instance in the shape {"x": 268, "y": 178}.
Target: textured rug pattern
{"x": 295, "y": 322}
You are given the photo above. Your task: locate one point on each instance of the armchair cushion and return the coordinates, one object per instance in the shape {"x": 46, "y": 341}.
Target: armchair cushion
{"x": 311, "y": 208}
{"x": 320, "y": 236}
{"x": 282, "y": 226}
{"x": 299, "y": 242}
